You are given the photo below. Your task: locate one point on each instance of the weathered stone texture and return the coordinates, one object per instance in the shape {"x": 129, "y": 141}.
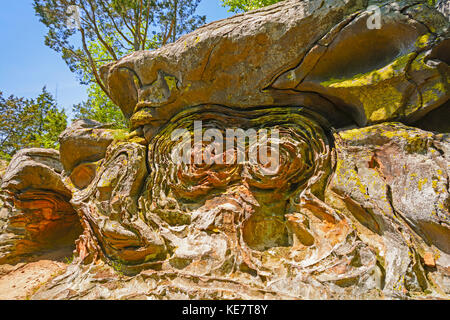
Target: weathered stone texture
{"x": 36, "y": 215}
{"x": 359, "y": 205}
{"x": 85, "y": 140}
{"x": 393, "y": 179}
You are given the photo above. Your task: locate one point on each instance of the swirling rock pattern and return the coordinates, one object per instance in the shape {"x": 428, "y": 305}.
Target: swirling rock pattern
{"x": 358, "y": 206}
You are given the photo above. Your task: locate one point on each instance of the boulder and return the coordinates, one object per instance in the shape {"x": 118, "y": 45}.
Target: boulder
{"x": 84, "y": 141}
{"x": 322, "y": 55}
{"x": 32, "y": 169}
{"x": 37, "y": 215}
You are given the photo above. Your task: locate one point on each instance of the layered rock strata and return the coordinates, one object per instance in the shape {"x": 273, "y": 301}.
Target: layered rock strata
{"x": 36, "y": 215}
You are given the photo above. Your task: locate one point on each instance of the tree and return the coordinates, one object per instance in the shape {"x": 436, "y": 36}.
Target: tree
{"x": 100, "y": 108}
{"x": 47, "y": 121}
{"x": 91, "y": 33}
{"x": 176, "y": 18}
{"x": 29, "y": 123}
{"x": 247, "y": 5}
{"x": 14, "y": 121}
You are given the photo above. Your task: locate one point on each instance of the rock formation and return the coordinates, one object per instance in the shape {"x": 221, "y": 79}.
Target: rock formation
{"x": 3, "y": 166}
{"x": 36, "y": 215}
{"x": 358, "y": 206}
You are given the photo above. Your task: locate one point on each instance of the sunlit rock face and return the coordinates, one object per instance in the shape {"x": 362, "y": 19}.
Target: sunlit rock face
{"x": 36, "y": 215}
{"x": 358, "y": 206}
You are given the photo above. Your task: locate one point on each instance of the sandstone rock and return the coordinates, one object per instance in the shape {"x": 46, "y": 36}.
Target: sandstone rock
{"x": 84, "y": 141}
{"x": 34, "y": 169}
{"x": 358, "y": 206}
{"x": 37, "y": 215}
{"x": 316, "y": 54}
{"x": 22, "y": 282}
{"x": 372, "y": 232}
{"x": 3, "y": 165}
{"x": 394, "y": 181}
{"x": 428, "y": 259}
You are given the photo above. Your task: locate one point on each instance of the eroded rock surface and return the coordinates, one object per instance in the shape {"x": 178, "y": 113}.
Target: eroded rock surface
{"x": 24, "y": 279}
{"x": 358, "y": 206}
{"x": 393, "y": 180}
{"x": 308, "y": 53}
{"x": 85, "y": 140}
{"x": 36, "y": 215}
{"x": 3, "y": 166}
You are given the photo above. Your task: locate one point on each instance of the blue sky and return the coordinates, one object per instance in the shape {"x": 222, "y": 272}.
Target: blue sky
{"x": 27, "y": 65}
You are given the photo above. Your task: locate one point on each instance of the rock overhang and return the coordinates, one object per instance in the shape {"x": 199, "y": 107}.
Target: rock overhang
{"x": 35, "y": 215}
{"x": 314, "y": 54}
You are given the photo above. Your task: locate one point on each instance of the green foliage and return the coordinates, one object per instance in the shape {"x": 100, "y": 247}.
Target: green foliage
{"x": 47, "y": 122}
{"x": 100, "y": 108}
{"x": 69, "y": 260}
{"x": 247, "y": 5}
{"x": 14, "y": 120}
{"x": 118, "y": 267}
{"x": 106, "y": 30}
{"x": 28, "y": 123}
{"x": 177, "y": 17}
{"x": 117, "y": 27}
